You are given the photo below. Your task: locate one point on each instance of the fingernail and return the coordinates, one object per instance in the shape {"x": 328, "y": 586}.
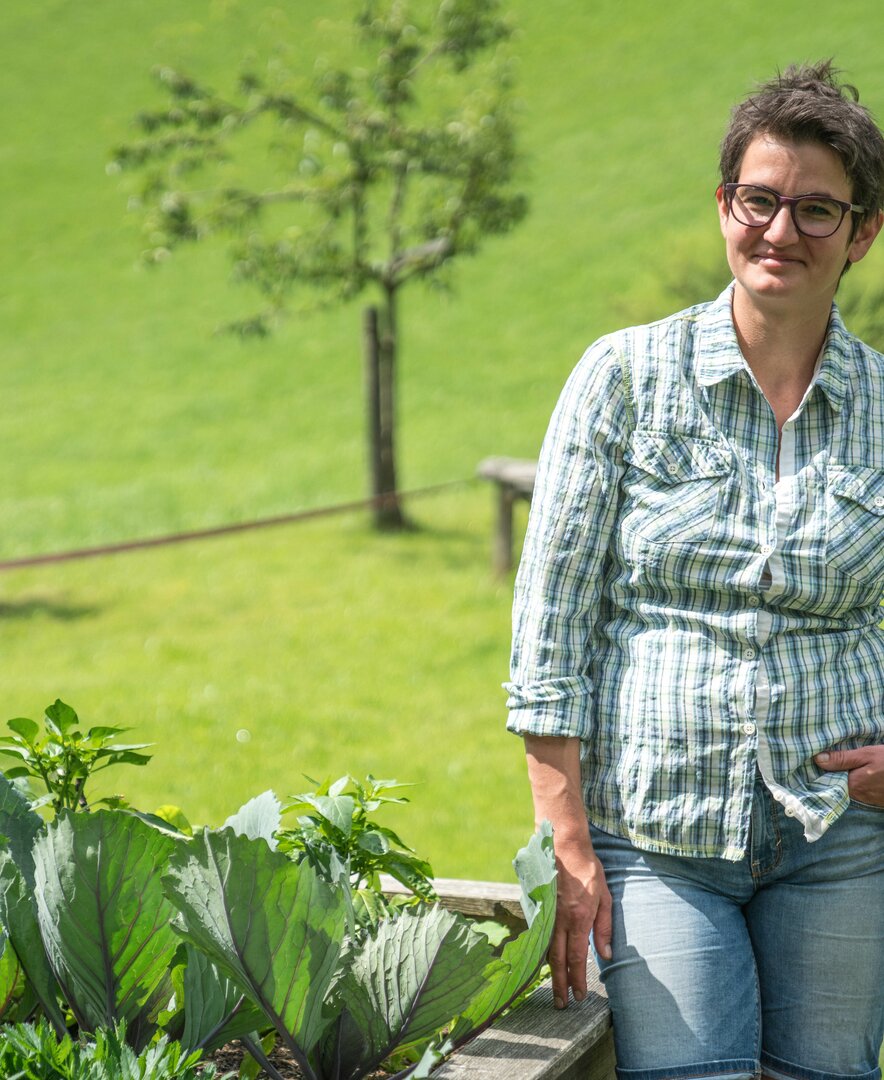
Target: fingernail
{"x": 606, "y": 952}
{"x": 559, "y": 1003}
{"x": 579, "y": 995}
{"x": 823, "y": 757}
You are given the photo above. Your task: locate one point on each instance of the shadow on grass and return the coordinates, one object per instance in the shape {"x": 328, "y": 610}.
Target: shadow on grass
{"x": 54, "y": 609}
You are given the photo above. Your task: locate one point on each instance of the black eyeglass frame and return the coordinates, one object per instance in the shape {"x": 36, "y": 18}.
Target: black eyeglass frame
{"x": 791, "y": 201}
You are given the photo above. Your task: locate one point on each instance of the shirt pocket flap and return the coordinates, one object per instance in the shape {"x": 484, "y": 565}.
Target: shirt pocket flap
{"x": 860, "y": 484}
{"x": 676, "y": 458}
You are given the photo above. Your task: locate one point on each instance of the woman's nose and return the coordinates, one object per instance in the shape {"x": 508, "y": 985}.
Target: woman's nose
{"x": 781, "y": 228}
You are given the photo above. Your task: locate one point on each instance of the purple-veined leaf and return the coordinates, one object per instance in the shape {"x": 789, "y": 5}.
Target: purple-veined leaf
{"x": 216, "y": 1009}
{"x": 270, "y": 924}
{"x": 18, "y": 910}
{"x": 18, "y": 913}
{"x": 408, "y": 979}
{"x": 104, "y": 919}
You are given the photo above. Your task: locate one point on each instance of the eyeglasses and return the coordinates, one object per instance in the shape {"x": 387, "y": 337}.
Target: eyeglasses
{"x": 814, "y": 215}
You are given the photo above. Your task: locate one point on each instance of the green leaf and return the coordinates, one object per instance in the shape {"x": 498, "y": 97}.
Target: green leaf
{"x": 28, "y": 729}
{"x": 272, "y": 925}
{"x": 216, "y": 1009}
{"x": 17, "y": 998}
{"x": 13, "y": 749}
{"x": 20, "y": 825}
{"x": 104, "y": 919}
{"x": 16, "y": 771}
{"x": 523, "y": 957}
{"x": 258, "y": 818}
{"x": 412, "y": 872}
{"x": 101, "y": 733}
{"x": 18, "y": 913}
{"x": 373, "y": 842}
{"x": 175, "y": 817}
{"x": 337, "y": 810}
{"x": 110, "y": 751}
{"x": 339, "y": 785}
{"x": 60, "y": 718}
{"x": 405, "y": 982}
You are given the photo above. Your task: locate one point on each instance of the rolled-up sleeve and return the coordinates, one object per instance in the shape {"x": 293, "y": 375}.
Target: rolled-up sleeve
{"x": 559, "y": 583}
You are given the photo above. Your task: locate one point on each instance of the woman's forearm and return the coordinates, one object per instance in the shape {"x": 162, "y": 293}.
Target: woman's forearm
{"x": 554, "y": 774}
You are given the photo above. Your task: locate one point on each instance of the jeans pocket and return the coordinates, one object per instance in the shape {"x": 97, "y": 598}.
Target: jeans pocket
{"x": 860, "y": 805}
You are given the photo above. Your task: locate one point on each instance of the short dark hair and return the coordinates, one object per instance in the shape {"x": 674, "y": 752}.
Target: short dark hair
{"x": 807, "y": 104}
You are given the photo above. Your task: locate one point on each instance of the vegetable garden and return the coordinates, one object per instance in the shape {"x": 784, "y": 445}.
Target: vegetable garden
{"x": 134, "y": 944}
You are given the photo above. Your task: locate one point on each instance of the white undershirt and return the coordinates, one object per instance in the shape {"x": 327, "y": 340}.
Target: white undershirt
{"x": 772, "y": 583}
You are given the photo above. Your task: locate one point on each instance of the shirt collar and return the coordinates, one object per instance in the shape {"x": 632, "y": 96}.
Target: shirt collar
{"x": 720, "y": 356}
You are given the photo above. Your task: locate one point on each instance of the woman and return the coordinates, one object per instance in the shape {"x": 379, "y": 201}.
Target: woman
{"x": 696, "y": 627}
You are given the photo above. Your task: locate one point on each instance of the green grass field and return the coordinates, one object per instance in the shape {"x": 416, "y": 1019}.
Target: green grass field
{"x": 124, "y": 416}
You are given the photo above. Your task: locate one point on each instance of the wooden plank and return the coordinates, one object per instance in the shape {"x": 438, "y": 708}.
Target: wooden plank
{"x": 535, "y": 1041}
{"x": 518, "y": 473}
{"x": 538, "y": 1042}
{"x": 478, "y": 899}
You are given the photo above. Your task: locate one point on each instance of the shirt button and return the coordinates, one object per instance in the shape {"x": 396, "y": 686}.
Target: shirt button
{"x": 748, "y": 728}
{"x": 789, "y": 812}
{"x": 879, "y": 500}
{"x": 767, "y": 549}
{"x": 748, "y": 654}
{"x": 754, "y": 601}
{"x": 672, "y": 469}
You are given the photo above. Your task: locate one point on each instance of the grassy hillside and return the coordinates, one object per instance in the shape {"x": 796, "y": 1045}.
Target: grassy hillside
{"x": 124, "y": 416}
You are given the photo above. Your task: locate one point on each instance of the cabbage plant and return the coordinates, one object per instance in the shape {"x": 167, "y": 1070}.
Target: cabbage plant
{"x": 343, "y": 998}
{"x": 120, "y": 919}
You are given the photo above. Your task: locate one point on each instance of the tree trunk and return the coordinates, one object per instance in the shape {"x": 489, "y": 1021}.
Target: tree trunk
{"x": 380, "y": 357}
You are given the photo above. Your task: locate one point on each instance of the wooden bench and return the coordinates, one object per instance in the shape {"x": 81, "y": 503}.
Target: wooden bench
{"x": 514, "y": 478}
{"x": 535, "y": 1041}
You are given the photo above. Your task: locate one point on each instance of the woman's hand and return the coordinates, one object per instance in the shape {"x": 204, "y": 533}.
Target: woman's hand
{"x": 865, "y": 771}
{"x": 583, "y": 902}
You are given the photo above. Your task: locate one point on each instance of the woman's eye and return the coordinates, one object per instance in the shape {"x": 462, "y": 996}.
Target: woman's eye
{"x": 819, "y": 209}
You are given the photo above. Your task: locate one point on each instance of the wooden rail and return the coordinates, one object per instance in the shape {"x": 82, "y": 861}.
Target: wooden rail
{"x": 535, "y": 1041}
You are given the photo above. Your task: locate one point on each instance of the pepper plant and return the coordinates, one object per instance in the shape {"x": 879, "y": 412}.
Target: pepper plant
{"x": 337, "y": 833}
{"x": 62, "y": 758}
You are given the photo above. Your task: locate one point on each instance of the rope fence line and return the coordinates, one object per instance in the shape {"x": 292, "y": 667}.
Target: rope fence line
{"x": 223, "y": 530}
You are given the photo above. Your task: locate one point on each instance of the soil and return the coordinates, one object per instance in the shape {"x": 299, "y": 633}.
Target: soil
{"x": 229, "y": 1058}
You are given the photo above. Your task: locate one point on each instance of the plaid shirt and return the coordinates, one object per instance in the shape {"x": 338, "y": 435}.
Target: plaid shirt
{"x": 685, "y": 613}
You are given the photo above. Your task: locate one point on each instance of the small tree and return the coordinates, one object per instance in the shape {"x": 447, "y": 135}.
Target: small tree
{"x": 377, "y": 174}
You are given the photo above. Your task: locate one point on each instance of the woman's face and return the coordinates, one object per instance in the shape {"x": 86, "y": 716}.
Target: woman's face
{"x": 775, "y": 266}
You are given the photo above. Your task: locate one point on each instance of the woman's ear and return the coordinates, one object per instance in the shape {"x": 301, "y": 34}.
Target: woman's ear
{"x": 722, "y": 208}
{"x": 864, "y": 237}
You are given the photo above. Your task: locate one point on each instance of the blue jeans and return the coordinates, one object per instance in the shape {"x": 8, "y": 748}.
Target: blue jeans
{"x": 774, "y": 964}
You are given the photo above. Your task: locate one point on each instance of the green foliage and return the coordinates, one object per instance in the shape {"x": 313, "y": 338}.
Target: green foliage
{"x": 337, "y": 833}
{"x": 104, "y": 920}
{"x": 89, "y": 928}
{"x": 861, "y": 301}
{"x": 34, "y": 1052}
{"x": 342, "y": 1002}
{"x": 63, "y": 758}
{"x": 21, "y": 827}
{"x": 383, "y": 170}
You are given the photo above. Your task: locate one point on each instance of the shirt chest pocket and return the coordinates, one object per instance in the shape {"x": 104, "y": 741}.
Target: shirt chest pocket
{"x": 673, "y": 486}
{"x": 855, "y": 521}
